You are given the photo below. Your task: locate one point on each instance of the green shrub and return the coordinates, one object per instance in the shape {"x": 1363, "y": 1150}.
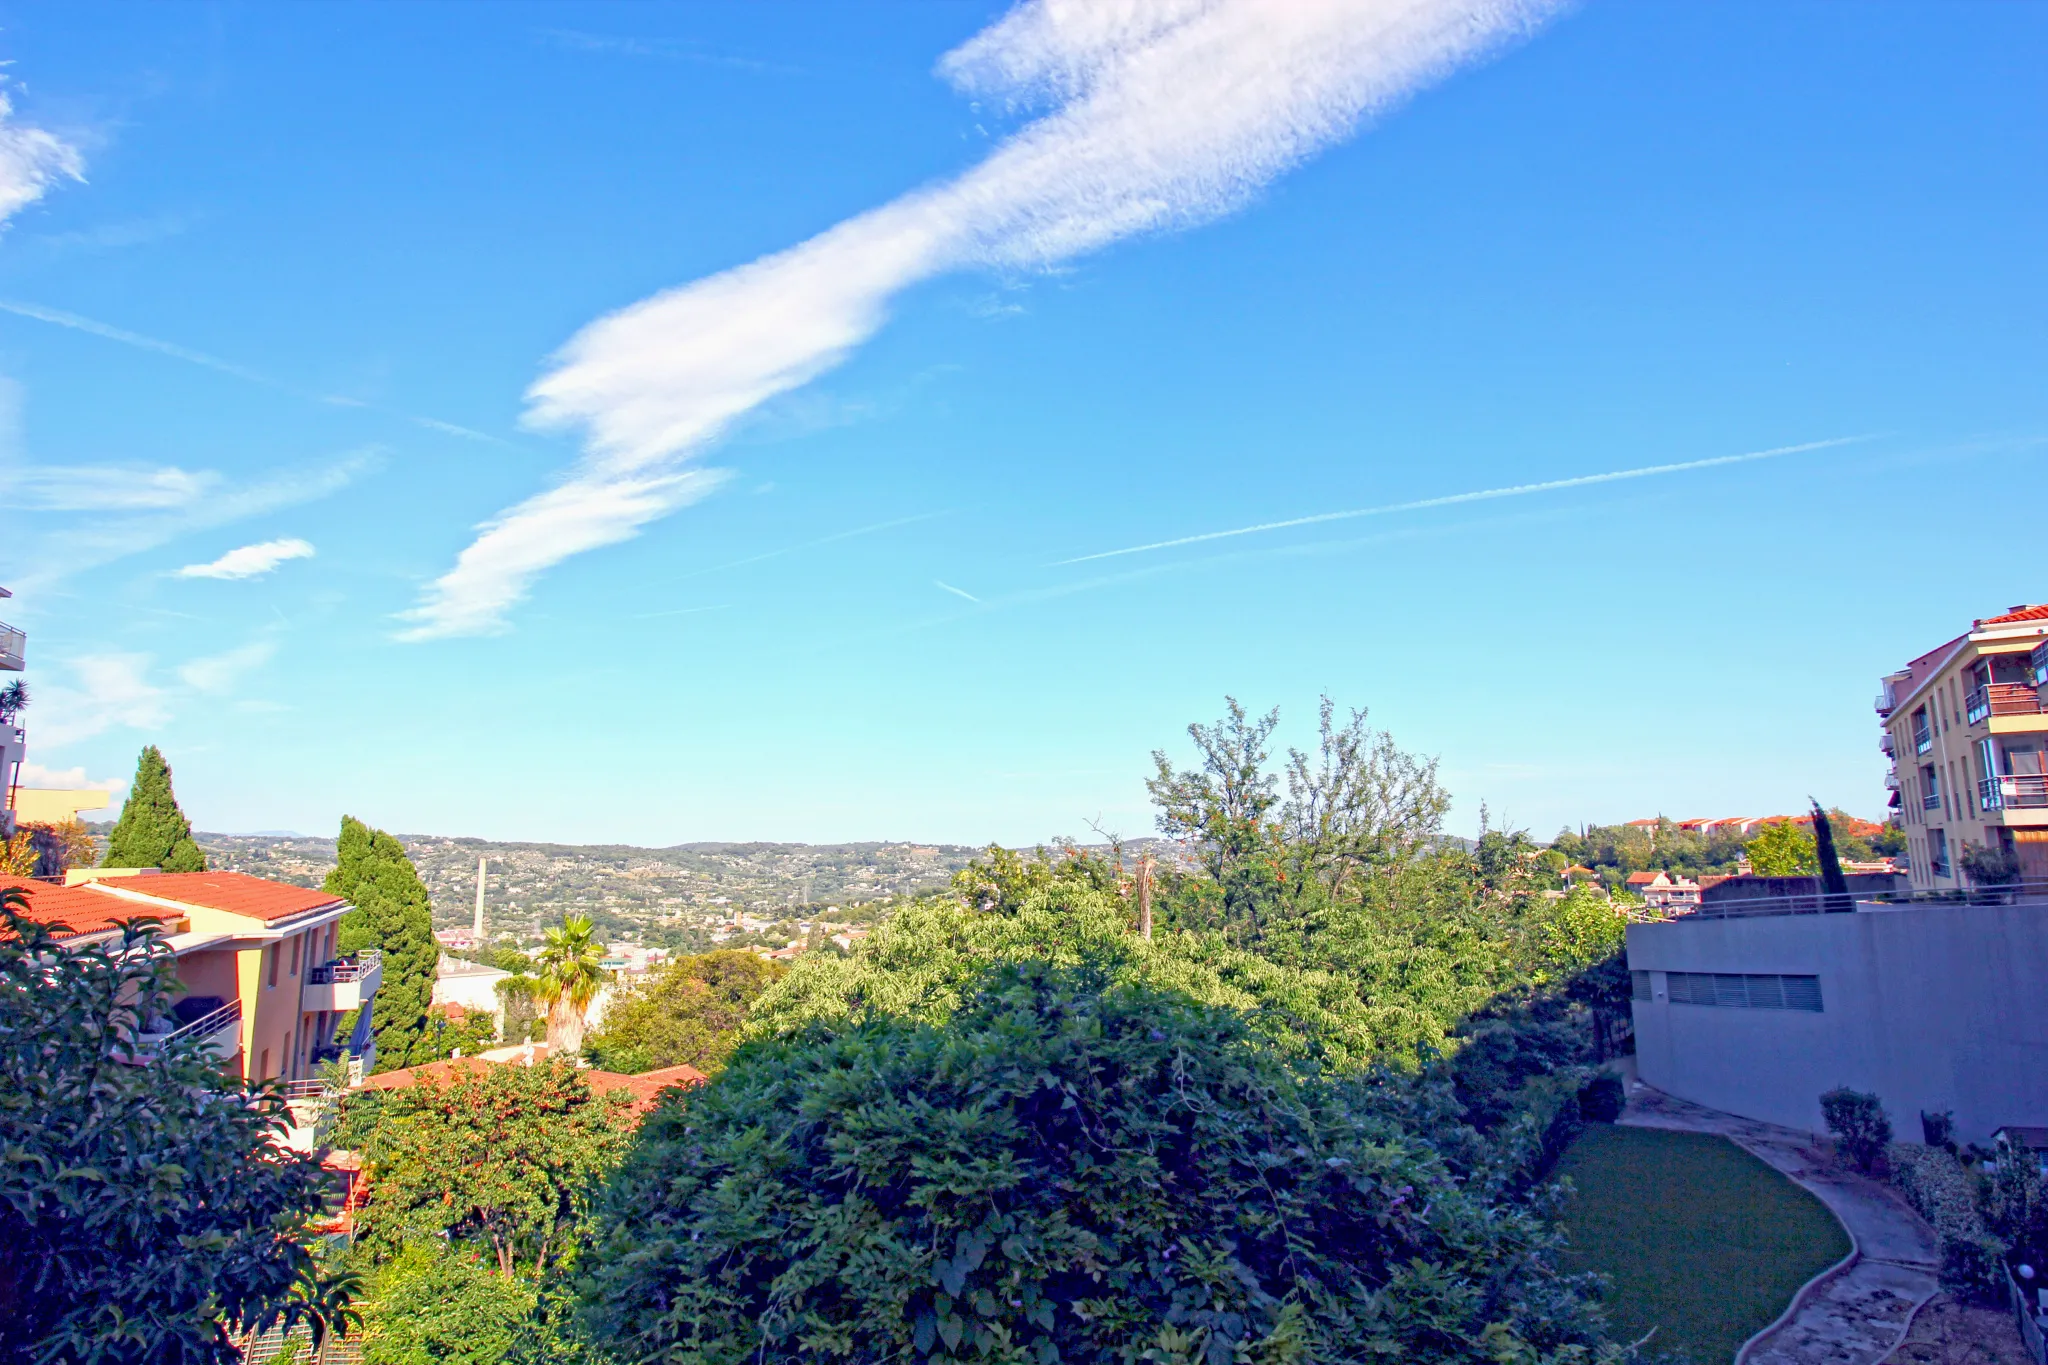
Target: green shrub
{"x": 1602, "y": 1099}
{"x": 1859, "y": 1124}
{"x": 928, "y": 957}
{"x": 1069, "y": 1167}
{"x": 436, "y": 1303}
{"x": 1936, "y": 1185}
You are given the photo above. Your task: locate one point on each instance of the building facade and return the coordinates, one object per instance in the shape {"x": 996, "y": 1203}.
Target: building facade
{"x": 1966, "y": 728}
{"x": 257, "y": 962}
{"x": 1931, "y": 1006}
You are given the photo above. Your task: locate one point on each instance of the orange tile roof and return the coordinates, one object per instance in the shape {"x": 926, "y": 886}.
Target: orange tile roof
{"x": 2035, "y": 613}
{"x": 73, "y": 911}
{"x": 237, "y": 893}
{"x": 641, "y": 1089}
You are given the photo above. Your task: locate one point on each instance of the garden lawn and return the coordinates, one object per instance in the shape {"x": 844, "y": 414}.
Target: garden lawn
{"x": 1701, "y": 1241}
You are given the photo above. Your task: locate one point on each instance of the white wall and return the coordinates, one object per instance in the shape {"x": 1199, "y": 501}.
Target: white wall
{"x": 1929, "y": 1007}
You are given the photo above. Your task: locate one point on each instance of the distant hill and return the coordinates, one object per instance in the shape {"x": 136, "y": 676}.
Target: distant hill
{"x": 531, "y": 884}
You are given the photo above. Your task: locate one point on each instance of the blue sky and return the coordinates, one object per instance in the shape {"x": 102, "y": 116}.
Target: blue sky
{"x": 780, "y": 554}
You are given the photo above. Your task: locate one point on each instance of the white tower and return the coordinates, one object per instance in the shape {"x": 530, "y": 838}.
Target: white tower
{"x": 479, "y": 927}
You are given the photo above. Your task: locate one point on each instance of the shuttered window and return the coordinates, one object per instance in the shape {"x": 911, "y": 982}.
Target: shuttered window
{"x": 1639, "y": 985}
{"x": 1745, "y": 990}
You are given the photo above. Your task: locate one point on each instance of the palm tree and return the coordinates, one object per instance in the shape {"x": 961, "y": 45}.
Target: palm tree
{"x": 571, "y": 970}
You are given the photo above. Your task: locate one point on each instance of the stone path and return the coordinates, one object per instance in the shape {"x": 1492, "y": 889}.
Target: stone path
{"x": 1858, "y": 1313}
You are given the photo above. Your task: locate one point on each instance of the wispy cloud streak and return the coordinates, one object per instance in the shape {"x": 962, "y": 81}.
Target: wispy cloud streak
{"x": 1151, "y": 115}
{"x": 31, "y": 161}
{"x": 1453, "y": 499}
{"x": 250, "y": 561}
{"x": 57, "y": 317}
{"x": 957, "y": 592}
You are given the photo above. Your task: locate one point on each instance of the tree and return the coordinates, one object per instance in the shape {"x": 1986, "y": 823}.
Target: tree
{"x": 1859, "y": 1123}
{"x": 1579, "y": 930}
{"x": 152, "y": 831}
{"x": 571, "y": 966}
{"x": 147, "y": 1205}
{"x": 1221, "y": 809}
{"x": 505, "y": 1159}
{"x": 1784, "y": 849}
{"x": 436, "y": 1305}
{"x": 689, "y": 1015}
{"x": 1069, "y": 1168}
{"x": 1361, "y": 807}
{"x": 925, "y": 960}
{"x": 391, "y": 913}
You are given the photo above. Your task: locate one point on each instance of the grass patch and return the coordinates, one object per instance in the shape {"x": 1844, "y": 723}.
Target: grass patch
{"x": 1700, "y": 1239}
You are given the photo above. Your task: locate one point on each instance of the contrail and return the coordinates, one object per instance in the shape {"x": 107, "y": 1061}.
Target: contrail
{"x": 59, "y": 318}
{"x": 813, "y": 544}
{"x": 1483, "y": 495}
{"x": 957, "y": 592}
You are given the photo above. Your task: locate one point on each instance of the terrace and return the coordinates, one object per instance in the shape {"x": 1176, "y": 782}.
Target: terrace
{"x": 343, "y": 984}
{"x": 13, "y": 649}
{"x": 208, "y": 1018}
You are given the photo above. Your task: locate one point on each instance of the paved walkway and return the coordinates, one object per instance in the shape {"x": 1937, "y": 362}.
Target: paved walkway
{"x": 1859, "y": 1313}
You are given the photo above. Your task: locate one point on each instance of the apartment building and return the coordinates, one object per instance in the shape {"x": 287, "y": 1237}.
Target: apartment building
{"x": 13, "y": 743}
{"x": 256, "y": 959}
{"x": 1966, "y": 727}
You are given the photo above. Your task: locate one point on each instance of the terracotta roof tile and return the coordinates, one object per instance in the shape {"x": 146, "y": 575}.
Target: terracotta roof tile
{"x": 2035, "y": 613}
{"x": 78, "y": 910}
{"x": 237, "y": 893}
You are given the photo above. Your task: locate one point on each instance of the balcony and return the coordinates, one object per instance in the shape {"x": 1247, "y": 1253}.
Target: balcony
{"x": 2001, "y": 699}
{"x": 1885, "y": 703}
{"x": 1891, "y": 780}
{"x": 219, "y": 1028}
{"x": 1885, "y": 745}
{"x": 13, "y": 648}
{"x": 1923, "y": 738}
{"x": 343, "y": 984}
{"x": 1931, "y": 801}
{"x": 2013, "y": 792}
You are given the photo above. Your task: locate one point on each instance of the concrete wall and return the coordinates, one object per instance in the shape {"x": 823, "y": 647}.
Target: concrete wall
{"x": 1929, "y": 1007}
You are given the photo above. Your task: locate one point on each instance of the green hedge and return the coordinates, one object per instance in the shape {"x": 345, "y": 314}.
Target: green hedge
{"x": 1935, "y": 1183}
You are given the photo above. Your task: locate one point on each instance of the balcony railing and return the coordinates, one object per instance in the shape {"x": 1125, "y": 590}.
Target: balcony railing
{"x": 1931, "y": 801}
{"x": 1923, "y": 739}
{"x": 2013, "y": 792}
{"x": 2001, "y": 699}
{"x": 1884, "y": 744}
{"x": 1891, "y": 781}
{"x": 344, "y": 969}
{"x": 13, "y": 648}
{"x": 205, "y": 1026}
{"x": 1885, "y": 704}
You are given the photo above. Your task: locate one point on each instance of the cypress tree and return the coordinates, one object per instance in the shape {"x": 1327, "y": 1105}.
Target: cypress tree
{"x": 391, "y": 913}
{"x": 152, "y": 831}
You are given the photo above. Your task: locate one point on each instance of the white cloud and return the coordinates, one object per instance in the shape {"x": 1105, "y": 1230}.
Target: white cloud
{"x": 47, "y": 555}
{"x": 250, "y": 561}
{"x": 110, "y": 690}
{"x": 1159, "y": 114}
{"x": 67, "y": 779}
{"x": 31, "y": 160}
{"x": 219, "y": 673}
{"x": 105, "y": 487}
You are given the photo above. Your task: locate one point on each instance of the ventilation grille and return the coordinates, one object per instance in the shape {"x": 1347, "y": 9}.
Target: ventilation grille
{"x": 1742, "y": 990}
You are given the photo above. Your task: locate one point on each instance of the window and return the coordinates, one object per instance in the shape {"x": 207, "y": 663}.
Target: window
{"x": 1923, "y": 738}
{"x": 1740, "y": 990}
{"x": 1930, "y": 787}
{"x": 1639, "y": 985}
{"x": 1937, "y": 850}
{"x": 270, "y": 963}
{"x": 263, "y": 1066}
{"x": 289, "y": 1057}
{"x": 297, "y": 939}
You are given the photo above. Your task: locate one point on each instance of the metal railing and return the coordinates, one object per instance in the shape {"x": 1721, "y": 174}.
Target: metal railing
{"x": 206, "y": 1025}
{"x": 2001, "y": 699}
{"x": 345, "y": 969}
{"x": 13, "y": 646}
{"x": 1885, "y": 703}
{"x": 2031, "y": 891}
{"x": 2013, "y": 791}
{"x": 1884, "y": 744}
{"x": 1931, "y": 801}
{"x": 1923, "y": 740}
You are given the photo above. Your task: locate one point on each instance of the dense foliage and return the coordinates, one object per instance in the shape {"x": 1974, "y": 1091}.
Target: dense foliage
{"x": 152, "y": 831}
{"x": 688, "y": 1014}
{"x": 1858, "y": 1122}
{"x": 1617, "y": 850}
{"x": 927, "y": 960}
{"x": 144, "y": 1208}
{"x": 1075, "y": 1166}
{"x": 391, "y": 913}
{"x": 506, "y": 1159}
{"x": 1783, "y": 850}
